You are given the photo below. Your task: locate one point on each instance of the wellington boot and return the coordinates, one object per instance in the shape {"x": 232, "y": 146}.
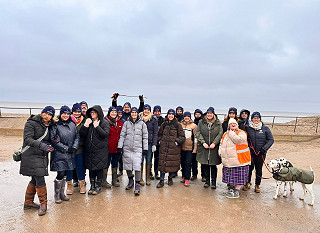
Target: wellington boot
{"x": 69, "y": 187}
{"x": 114, "y": 177}
{"x": 97, "y": 189}
{"x": 130, "y": 184}
{"x": 92, "y": 186}
{"x": 141, "y": 179}
{"x": 105, "y": 183}
{"x": 62, "y": 194}
{"x": 29, "y": 198}
{"x": 42, "y": 195}
{"x": 148, "y": 171}
{"x": 57, "y": 187}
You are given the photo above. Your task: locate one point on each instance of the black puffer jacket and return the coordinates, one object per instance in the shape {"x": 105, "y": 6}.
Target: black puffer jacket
{"x": 96, "y": 142}
{"x": 63, "y": 135}
{"x": 34, "y": 161}
{"x": 259, "y": 139}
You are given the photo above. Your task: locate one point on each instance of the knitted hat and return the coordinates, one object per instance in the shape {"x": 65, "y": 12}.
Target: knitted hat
{"x": 119, "y": 108}
{"x": 83, "y": 102}
{"x": 198, "y": 111}
{"x": 147, "y": 106}
{"x": 179, "y": 108}
{"x": 127, "y": 103}
{"x": 112, "y": 109}
{"x": 134, "y": 109}
{"x": 156, "y": 108}
{"x": 233, "y": 110}
{"x": 171, "y": 111}
{"x": 187, "y": 114}
{"x": 49, "y": 109}
{"x": 232, "y": 121}
{"x": 255, "y": 114}
{"x": 210, "y": 109}
{"x": 65, "y": 109}
{"x": 76, "y": 107}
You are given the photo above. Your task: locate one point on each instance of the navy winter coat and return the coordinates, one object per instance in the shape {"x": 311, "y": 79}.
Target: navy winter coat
{"x": 259, "y": 139}
{"x": 152, "y": 125}
{"x": 63, "y": 135}
{"x": 96, "y": 142}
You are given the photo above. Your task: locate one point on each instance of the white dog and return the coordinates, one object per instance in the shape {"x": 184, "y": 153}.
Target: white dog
{"x": 283, "y": 171}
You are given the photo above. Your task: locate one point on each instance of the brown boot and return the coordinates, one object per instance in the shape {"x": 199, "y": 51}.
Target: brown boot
{"x": 69, "y": 187}
{"x": 105, "y": 183}
{"x": 114, "y": 177}
{"x": 29, "y": 197}
{"x": 42, "y": 195}
{"x": 246, "y": 187}
{"x": 148, "y": 171}
{"x": 82, "y": 186}
{"x": 141, "y": 179}
{"x": 257, "y": 188}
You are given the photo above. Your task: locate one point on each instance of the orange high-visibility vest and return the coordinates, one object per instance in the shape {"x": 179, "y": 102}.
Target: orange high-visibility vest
{"x": 243, "y": 150}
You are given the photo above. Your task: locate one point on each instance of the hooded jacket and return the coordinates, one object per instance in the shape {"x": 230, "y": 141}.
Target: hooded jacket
{"x": 96, "y": 142}
{"x": 244, "y": 122}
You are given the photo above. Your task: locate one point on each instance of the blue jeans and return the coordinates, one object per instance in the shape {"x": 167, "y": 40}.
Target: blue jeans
{"x": 149, "y": 155}
{"x": 81, "y": 172}
{"x": 113, "y": 158}
{"x": 162, "y": 174}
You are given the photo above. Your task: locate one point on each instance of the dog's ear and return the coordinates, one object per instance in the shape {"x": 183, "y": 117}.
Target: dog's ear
{"x": 289, "y": 164}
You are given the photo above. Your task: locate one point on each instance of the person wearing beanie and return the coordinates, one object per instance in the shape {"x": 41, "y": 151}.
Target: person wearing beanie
{"x": 127, "y": 106}
{"x": 34, "y": 160}
{"x": 209, "y": 133}
{"x": 113, "y": 139}
{"x": 179, "y": 113}
{"x": 198, "y": 115}
{"x": 236, "y": 158}
{"x": 232, "y": 113}
{"x": 244, "y": 118}
{"x": 84, "y": 108}
{"x": 65, "y": 140}
{"x": 152, "y": 126}
{"x": 79, "y": 172}
{"x": 120, "y": 112}
{"x": 260, "y": 140}
{"x": 170, "y": 137}
{"x": 160, "y": 119}
{"x": 95, "y": 132}
{"x": 189, "y": 129}
{"x": 133, "y": 144}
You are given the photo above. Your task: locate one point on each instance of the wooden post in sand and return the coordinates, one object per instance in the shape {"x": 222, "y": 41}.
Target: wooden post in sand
{"x": 273, "y": 121}
{"x": 316, "y": 127}
{"x": 295, "y": 125}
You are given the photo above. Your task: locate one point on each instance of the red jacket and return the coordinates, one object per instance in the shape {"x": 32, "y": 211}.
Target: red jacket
{"x": 114, "y": 135}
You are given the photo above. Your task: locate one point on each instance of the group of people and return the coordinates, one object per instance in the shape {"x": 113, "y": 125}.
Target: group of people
{"x": 130, "y": 139}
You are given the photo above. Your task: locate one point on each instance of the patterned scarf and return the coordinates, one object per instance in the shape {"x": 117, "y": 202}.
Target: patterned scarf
{"x": 255, "y": 126}
{"x": 112, "y": 120}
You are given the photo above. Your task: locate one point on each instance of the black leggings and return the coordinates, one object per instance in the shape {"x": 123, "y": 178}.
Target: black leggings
{"x": 96, "y": 173}
{"x": 207, "y": 169}
{"x": 61, "y": 175}
{"x": 257, "y": 163}
{"x": 37, "y": 181}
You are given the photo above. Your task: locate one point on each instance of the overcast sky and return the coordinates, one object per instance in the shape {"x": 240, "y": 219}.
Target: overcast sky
{"x": 260, "y": 55}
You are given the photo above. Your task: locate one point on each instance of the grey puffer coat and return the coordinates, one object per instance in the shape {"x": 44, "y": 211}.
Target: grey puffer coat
{"x": 208, "y": 134}
{"x": 63, "y": 135}
{"x": 96, "y": 142}
{"x": 133, "y": 139}
{"x": 34, "y": 161}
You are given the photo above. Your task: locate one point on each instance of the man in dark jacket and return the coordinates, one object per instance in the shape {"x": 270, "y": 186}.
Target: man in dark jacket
{"x": 157, "y": 113}
{"x": 179, "y": 113}
{"x": 244, "y": 119}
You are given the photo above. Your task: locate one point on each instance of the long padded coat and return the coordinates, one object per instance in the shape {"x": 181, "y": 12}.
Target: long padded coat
{"x": 34, "y": 161}
{"x": 63, "y": 135}
{"x": 170, "y": 134}
{"x": 96, "y": 142}
{"x": 133, "y": 139}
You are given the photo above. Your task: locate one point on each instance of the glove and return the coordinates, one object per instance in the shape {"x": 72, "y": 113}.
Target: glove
{"x": 141, "y": 98}
{"x": 46, "y": 147}
{"x": 120, "y": 151}
{"x": 153, "y": 149}
{"x": 115, "y": 96}
{"x": 87, "y": 122}
{"x": 144, "y": 152}
{"x": 96, "y": 123}
{"x": 71, "y": 150}
{"x": 262, "y": 151}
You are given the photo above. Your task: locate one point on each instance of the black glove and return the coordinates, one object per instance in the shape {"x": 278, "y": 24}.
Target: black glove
{"x": 46, "y": 147}
{"x": 144, "y": 152}
{"x": 262, "y": 151}
{"x": 115, "y": 96}
{"x": 141, "y": 98}
{"x": 120, "y": 151}
{"x": 71, "y": 150}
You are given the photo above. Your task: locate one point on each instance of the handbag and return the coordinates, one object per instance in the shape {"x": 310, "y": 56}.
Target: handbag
{"x": 17, "y": 154}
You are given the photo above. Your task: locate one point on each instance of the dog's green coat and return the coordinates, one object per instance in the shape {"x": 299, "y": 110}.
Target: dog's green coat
{"x": 295, "y": 174}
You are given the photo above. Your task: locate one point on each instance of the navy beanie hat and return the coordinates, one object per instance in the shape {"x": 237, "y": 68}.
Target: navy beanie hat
{"x": 65, "y": 109}
{"x": 76, "y": 107}
{"x": 255, "y": 114}
{"x": 49, "y": 109}
{"x": 233, "y": 110}
{"x": 210, "y": 109}
{"x": 119, "y": 108}
{"x": 127, "y": 103}
{"x": 171, "y": 111}
{"x": 134, "y": 109}
{"x": 179, "y": 108}
{"x": 198, "y": 111}
{"x": 157, "y": 108}
{"x": 83, "y": 102}
{"x": 147, "y": 106}
{"x": 187, "y": 114}
{"x": 112, "y": 108}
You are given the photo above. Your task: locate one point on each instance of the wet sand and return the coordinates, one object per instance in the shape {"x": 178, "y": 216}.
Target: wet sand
{"x": 170, "y": 209}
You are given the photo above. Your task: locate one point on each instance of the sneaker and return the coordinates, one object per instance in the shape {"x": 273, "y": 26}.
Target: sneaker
{"x": 186, "y": 183}
{"x": 203, "y": 179}
{"x": 233, "y": 194}
{"x": 182, "y": 180}
{"x": 206, "y": 185}
{"x": 193, "y": 177}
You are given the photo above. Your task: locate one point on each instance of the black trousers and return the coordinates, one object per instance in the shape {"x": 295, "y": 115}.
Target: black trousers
{"x": 194, "y": 165}
{"x": 120, "y": 164}
{"x": 186, "y": 163}
{"x": 37, "y": 181}
{"x": 93, "y": 174}
{"x": 207, "y": 169}
{"x": 156, "y": 159}
{"x": 61, "y": 174}
{"x": 256, "y": 163}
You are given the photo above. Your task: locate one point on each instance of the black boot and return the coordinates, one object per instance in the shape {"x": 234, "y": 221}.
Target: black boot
{"x": 93, "y": 186}
{"x": 97, "y": 188}
{"x": 156, "y": 173}
{"x": 130, "y": 184}
{"x": 213, "y": 184}
{"x": 170, "y": 181}
{"x": 161, "y": 183}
